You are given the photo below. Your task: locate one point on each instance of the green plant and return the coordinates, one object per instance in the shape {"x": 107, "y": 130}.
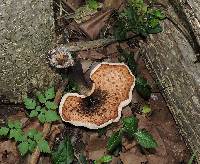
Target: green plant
{"x": 103, "y": 159}
{"x": 28, "y": 141}
{"x": 146, "y": 110}
{"x": 72, "y": 86}
{"x": 138, "y": 18}
{"x": 64, "y": 153}
{"x": 143, "y": 88}
{"x": 128, "y": 58}
{"x": 44, "y": 109}
{"x": 92, "y": 4}
{"x": 130, "y": 128}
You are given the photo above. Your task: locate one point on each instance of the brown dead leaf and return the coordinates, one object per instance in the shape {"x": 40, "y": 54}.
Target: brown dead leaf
{"x": 8, "y": 152}
{"x": 128, "y": 144}
{"x": 133, "y": 157}
{"x": 74, "y": 4}
{"x": 96, "y": 146}
{"x": 90, "y": 54}
{"x": 127, "y": 112}
{"x": 93, "y": 26}
{"x": 153, "y": 159}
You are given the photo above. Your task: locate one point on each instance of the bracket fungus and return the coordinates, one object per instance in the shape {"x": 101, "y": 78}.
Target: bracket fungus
{"x": 111, "y": 91}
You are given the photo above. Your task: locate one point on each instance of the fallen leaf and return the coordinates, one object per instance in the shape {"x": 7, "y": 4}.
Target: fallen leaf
{"x": 132, "y": 157}
{"x": 8, "y": 152}
{"x": 93, "y": 26}
{"x": 96, "y": 146}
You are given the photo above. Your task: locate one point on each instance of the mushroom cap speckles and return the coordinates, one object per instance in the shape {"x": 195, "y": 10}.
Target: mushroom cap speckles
{"x": 112, "y": 90}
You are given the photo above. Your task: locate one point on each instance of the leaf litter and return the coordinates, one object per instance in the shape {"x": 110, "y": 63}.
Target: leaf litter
{"x": 80, "y": 144}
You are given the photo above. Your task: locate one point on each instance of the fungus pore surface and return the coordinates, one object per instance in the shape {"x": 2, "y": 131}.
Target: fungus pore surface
{"x": 112, "y": 90}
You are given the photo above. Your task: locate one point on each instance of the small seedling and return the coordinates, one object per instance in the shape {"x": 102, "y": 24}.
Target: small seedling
{"x": 44, "y": 108}
{"x": 64, "y": 153}
{"x": 146, "y": 110}
{"x": 28, "y": 141}
{"x": 143, "y": 88}
{"x": 103, "y": 159}
{"x": 130, "y": 128}
{"x": 138, "y": 18}
{"x": 92, "y": 4}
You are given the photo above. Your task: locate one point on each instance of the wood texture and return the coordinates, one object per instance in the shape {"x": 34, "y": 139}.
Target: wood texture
{"x": 171, "y": 59}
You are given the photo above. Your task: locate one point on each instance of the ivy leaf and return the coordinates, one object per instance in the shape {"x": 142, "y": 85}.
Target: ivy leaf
{"x": 31, "y": 145}
{"x": 38, "y": 136}
{"x": 50, "y": 93}
{"x": 32, "y": 133}
{"x": 64, "y": 153}
{"x": 44, "y": 146}
{"x": 17, "y": 134}
{"x": 104, "y": 159}
{"x": 4, "y": 131}
{"x": 41, "y": 97}
{"x": 145, "y": 139}
{"x": 14, "y": 124}
{"x": 29, "y": 103}
{"x": 51, "y": 116}
{"x": 38, "y": 108}
{"x": 23, "y": 148}
{"x": 130, "y": 125}
{"x": 42, "y": 117}
{"x": 33, "y": 113}
{"x": 143, "y": 88}
{"x": 114, "y": 141}
{"x": 51, "y": 105}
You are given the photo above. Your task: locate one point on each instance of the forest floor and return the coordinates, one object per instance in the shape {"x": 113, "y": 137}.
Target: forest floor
{"x": 92, "y": 143}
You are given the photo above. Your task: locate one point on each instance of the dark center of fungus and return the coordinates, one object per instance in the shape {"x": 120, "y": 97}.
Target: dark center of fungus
{"x": 92, "y": 103}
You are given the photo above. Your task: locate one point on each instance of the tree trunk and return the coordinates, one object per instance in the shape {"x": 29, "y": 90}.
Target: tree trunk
{"x": 170, "y": 56}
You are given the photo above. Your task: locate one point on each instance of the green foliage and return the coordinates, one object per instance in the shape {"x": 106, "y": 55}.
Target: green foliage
{"x": 4, "y": 131}
{"x": 138, "y": 18}
{"x": 45, "y": 108}
{"x": 114, "y": 141}
{"x": 92, "y": 4}
{"x": 145, "y": 139}
{"x": 130, "y": 127}
{"x": 143, "y": 88}
{"x": 128, "y": 58}
{"x": 72, "y": 86}
{"x": 64, "y": 153}
{"x": 192, "y": 159}
{"x": 146, "y": 109}
{"x": 23, "y": 148}
{"x": 104, "y": 159}
{"x": 28, "y": 141}
{"x": 29, "y": 103}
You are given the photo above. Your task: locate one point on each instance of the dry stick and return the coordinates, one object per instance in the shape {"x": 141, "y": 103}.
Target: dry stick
{"x": 86, "y": 45}
{"x": 47, "y": 126}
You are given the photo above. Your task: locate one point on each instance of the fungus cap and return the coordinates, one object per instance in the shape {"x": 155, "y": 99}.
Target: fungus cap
{"x": 111, "y": 91}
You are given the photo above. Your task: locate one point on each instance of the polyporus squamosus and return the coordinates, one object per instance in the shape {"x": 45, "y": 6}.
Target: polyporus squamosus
{"x": 112, "y": 90}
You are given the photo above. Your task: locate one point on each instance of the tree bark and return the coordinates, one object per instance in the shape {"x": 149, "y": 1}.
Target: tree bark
{"x": 171, "y": 58}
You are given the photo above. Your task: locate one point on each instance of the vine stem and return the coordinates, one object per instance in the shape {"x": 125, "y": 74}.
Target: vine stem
{"x": 47, "y": 126}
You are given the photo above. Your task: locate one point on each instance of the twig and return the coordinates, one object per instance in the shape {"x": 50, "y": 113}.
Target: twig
{"x": 47, "y": 126}
{"x": 86, "y": 45}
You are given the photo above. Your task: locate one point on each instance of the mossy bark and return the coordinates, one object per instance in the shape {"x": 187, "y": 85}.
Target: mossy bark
{"x": 170, "y": 57}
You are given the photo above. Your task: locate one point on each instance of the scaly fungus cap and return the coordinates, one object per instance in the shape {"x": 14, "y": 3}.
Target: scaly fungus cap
{"x": 112, "y": 90}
